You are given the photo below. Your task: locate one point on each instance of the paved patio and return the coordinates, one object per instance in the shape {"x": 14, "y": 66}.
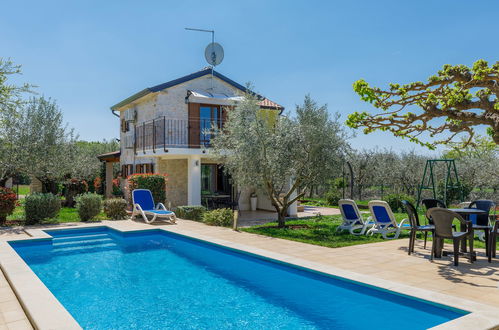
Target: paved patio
{"x": 387, "y": 261}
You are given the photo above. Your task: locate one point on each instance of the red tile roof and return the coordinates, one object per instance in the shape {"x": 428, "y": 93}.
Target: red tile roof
{"x": 266, "y": 103}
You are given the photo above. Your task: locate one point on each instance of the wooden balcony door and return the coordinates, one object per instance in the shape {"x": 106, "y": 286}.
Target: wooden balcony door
{"x": 203, "y": 117}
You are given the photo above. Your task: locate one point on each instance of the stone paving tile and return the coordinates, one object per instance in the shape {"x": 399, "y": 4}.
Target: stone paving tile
{"x": 19, "y": 325}
{"x": 387, "y": 260}
{"x": 12, "y": 315}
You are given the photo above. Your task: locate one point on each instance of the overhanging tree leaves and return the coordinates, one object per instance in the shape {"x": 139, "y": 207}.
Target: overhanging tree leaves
{"x": 11, "y": 98}
{"x": 456, "y": 100}
{"x": 281, "y": 154}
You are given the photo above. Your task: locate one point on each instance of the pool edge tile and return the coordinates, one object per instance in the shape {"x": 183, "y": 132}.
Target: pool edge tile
{"x": 481, "y": 316}
{"x": 42, "y": 308}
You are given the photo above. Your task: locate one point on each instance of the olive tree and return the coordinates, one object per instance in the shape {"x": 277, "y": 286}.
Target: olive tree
{"x": 455, "y": 101}
{"x": 86, "y": 165}
{"x": 11, "y": 99}
{"x": 46, "y": 145}
{"x": 278, "y": 154}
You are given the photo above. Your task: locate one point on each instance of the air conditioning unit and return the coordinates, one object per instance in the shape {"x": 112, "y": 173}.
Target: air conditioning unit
{"x": 130, "y": 114}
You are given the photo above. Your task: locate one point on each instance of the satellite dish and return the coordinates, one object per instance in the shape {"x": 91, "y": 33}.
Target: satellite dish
{"x": 214, "y": 53}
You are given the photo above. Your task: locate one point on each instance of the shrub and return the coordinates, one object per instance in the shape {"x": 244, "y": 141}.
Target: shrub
{"x": 333, "y": 197}
{"x": 41, "y": 206}
{"x": 454, "y": 194}
{"x": 115, "y": 208}
{"x": 98, "y": 185}
{"x": 72, "y": 188}
{"x": 8, "y": 202}
{"x": 218, "y": 217}
{"x": 190, "y": 212}
{"x": 395, "y": 201}
{"x": 88, "y": 205}
{"x": 117, "y": 192}
{"x": 156, "y": 183}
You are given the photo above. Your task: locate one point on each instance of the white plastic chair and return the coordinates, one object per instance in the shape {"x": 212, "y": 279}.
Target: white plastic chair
{"x": 385, "y": 222}
{"x": 143, "y": 204}
{"x": 352, "y": 218}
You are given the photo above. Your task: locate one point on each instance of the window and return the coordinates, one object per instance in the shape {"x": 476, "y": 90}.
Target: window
{"x": 209, "y": 116}
{"x": 213, "y": 179}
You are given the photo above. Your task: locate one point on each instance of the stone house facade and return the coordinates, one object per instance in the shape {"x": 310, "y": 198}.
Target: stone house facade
{"x": 162, "y": 131}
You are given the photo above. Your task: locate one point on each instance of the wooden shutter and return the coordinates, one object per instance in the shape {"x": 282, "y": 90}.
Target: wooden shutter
{"x": 194, "y": 127}
{"x": 149, "y": 168}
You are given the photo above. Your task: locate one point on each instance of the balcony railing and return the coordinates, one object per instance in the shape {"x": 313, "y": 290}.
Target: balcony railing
{"x": 163, "y": 133}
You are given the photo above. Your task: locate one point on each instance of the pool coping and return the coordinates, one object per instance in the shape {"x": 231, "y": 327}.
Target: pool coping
{"x": 46, "y": 312}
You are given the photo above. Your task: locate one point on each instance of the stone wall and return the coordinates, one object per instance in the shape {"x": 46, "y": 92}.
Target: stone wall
{"x": 35, "y": 185}
{"x": 176, "y": 192}
{"x": 169, "y": 103}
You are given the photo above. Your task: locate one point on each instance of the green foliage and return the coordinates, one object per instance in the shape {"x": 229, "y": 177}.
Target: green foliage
{"x": 115, "y": 208}
{"x": 156, "y": 183}
{"x": 41, "y": 206}
{"x": 265, "y": 154}
{"x": 8, "y": 201}
{"x": 454, "y": 194}
{"x": 319, "y": 231}
{"x": 190, "y": 212}
{"x": 461, "y": 96}
{"x": 117, "y": 192}
{"x": 72, "y": 188}
{"x": 88, "y": 205}
{"x": 395, "y": 201}
{"x": 333, "y": 197}
{"x": 46, "y": 145}
{"x": 219, "y": 217}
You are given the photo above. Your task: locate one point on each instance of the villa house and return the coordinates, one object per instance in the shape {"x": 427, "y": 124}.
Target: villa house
{"x": 163, "y": 130}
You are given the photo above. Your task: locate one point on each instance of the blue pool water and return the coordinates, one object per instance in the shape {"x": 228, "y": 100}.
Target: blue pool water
{"x": 154, "y": 280}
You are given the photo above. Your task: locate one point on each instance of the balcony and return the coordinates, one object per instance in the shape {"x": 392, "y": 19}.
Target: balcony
{"x": 164, "y": 133}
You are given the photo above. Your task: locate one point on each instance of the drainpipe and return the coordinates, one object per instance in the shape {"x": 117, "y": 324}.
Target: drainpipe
{"x": 114, "y": 113}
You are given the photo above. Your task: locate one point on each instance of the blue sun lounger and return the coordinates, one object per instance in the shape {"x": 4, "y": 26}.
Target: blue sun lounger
{"x": 143, "y": 204}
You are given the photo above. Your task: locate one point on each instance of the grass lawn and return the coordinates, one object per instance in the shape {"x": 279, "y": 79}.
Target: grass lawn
{"x": 23, "y": 189}
{"x": 315, "y": 201}
{"x": 66, "y": 214}
{"x": 322, "y": 231}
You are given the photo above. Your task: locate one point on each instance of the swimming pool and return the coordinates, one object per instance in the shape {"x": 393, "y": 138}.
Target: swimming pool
{"x": 154, "y": 279}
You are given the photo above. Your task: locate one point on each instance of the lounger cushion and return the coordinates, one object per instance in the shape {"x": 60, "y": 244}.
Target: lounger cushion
{"x": 159, "y": 212}
{"x": 144, "y": 199}
{"x": 349, "y": 212}
{"x": 381, "y": 214}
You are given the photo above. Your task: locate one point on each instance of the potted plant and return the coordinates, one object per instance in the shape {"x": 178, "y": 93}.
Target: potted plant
{"x": 253, "y": 201}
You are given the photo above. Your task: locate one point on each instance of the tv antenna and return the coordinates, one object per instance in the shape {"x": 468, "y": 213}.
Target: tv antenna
{"x": 214, "y": 52}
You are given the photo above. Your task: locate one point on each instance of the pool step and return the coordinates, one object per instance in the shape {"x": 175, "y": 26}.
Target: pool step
{"x": 83, "y": 244}
{"x": 80, "y": 237}
{"x": 84, "y": 249}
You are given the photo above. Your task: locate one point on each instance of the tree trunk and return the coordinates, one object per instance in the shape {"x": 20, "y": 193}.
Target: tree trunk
{"x": 48, "y": 186}
{"x": 281, "y": 218}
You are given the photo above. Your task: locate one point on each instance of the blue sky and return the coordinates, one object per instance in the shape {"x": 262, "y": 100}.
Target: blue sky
{"x": 88, "y": 55}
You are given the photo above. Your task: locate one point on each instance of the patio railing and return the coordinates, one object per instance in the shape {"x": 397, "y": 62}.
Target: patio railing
{"x": 163, "y": 133}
